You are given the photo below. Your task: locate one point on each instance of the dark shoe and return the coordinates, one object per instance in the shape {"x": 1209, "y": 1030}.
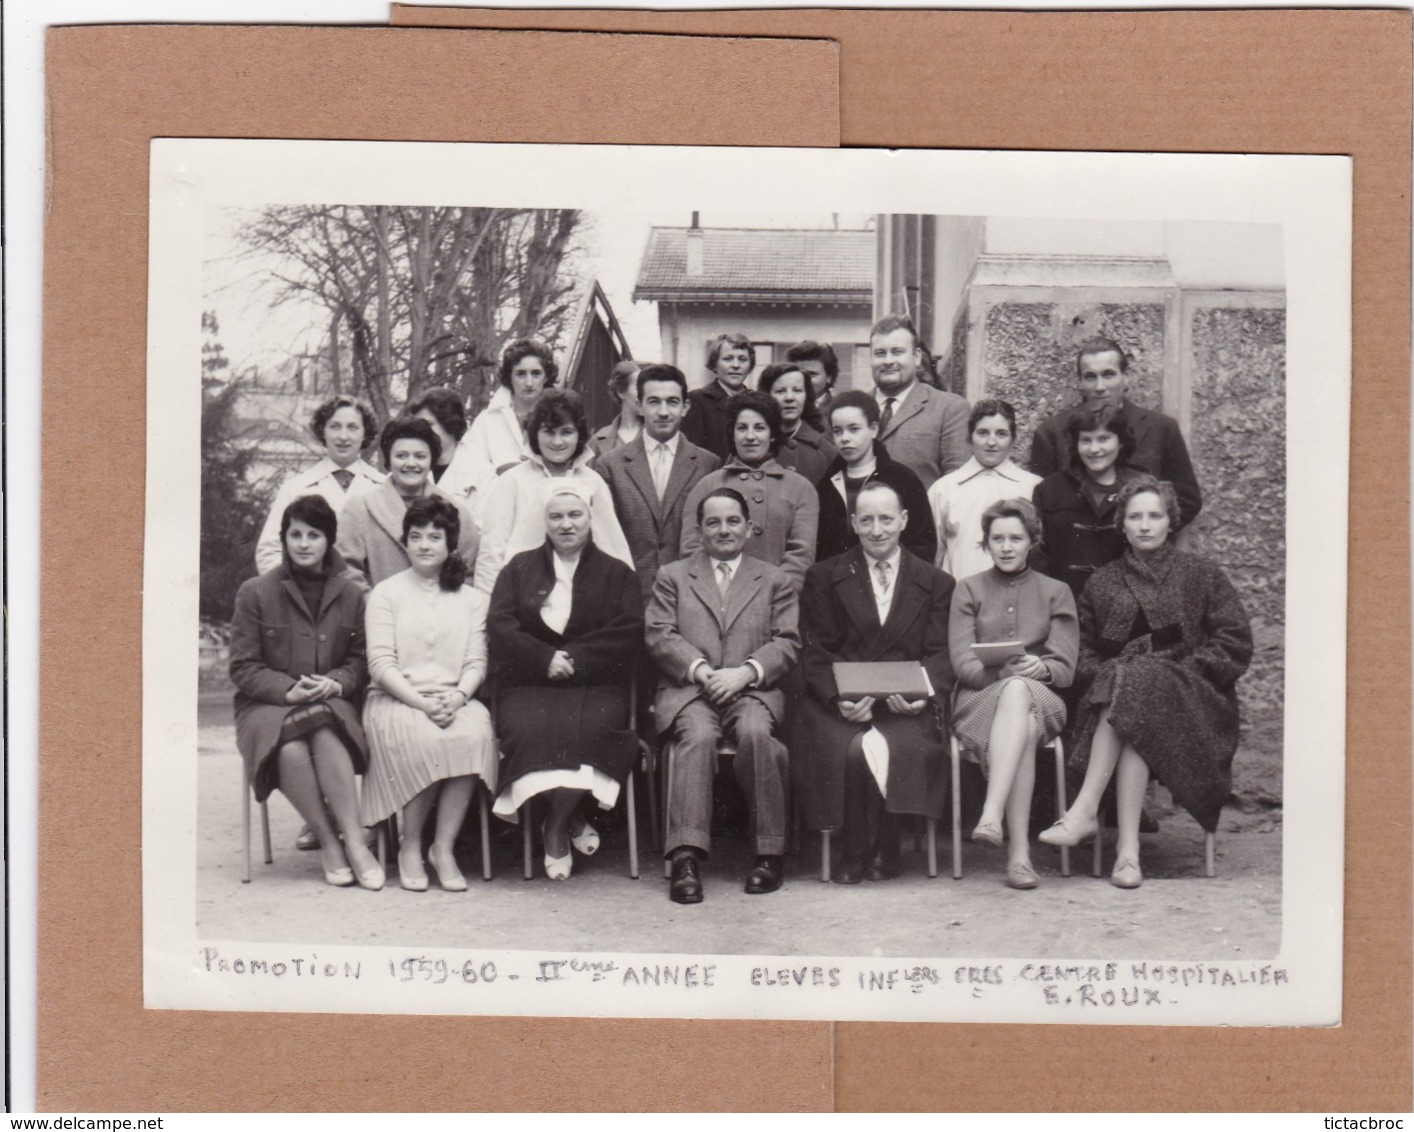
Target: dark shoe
{"x": 885, "y": 864}
{"x": 851, "y": 871}
{"x": 765, "y": 876}
{"x": 686, "y": 886}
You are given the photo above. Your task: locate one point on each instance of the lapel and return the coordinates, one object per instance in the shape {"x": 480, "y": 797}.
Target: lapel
{"x": 745, "y": 582}
{"x": 916, "y": 403}
{"x": 684, "y": 463}
{"x": 909, "y": 594}
{"x": 857, "y": 595}
{"x": 1141, "y": 421}
{"x": 292, "y": 591}
{"x": 704, "y": 585}
{"x": 640, "y": 471}
{"x": 387, "y": 509}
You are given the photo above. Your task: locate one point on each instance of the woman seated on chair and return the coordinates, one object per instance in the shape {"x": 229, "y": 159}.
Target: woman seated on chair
{"x": 1163, "y": 639}
{"x": 297, "y": 661}
{"x": 860, "y": 762}
{"x": 426, "y": 659}
{"x": 566, "y": 626}
{"x": 1005, "y": 706}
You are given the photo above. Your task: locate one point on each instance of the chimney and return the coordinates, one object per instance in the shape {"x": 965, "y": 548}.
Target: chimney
{"x": 694, "y": 248}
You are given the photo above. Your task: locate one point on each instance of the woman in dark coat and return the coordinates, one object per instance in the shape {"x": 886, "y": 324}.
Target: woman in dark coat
{"x": 1077, "y": 503}
{"x": 805, "y": 448}
{"x": 566, "y": 627}
{"x": 1163, "y": 639}
{"x": 837, "y": 739}
{"x": 297, "y": 660}
{"x": 854, "y": 425}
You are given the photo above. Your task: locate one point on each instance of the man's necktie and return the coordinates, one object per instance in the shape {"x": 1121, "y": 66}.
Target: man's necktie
{"x": 888, "y": 415}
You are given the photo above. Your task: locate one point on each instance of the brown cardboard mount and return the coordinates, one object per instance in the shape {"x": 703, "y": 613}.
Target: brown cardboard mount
{"x": 1260, "y": 82}
{"x": 111, "y": 90}
{"x": 1330, "y": 82}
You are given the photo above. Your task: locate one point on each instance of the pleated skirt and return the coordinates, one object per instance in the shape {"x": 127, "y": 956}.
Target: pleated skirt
{"x": 408, "y": 752}
{"x": 976, "y": 708}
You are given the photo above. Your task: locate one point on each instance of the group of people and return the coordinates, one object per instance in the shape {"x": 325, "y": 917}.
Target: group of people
{"x": 747, "y": 557}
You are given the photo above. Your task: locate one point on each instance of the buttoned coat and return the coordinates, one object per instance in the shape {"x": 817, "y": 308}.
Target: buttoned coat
{"x": 785, "y": 514}
{"x": 836, "y": 532}
{"x": 1077, "y": 538}
{"x": 706, "y": 423}
{"x": 652, "y": 526}
{"x": 808, "y": 452}
{"x": 840, "y": 622}
{"x": 688, "y": 620}
{"x": 275, "y": 639}
{"x": 928, "y": 432}
{"x": 371, "y": 533}
{"x": 1159, "y": 449}
{"x": 315, "y": 480}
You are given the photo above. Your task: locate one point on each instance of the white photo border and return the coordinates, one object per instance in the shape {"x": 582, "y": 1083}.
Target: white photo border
{"x": 1310, "y": 197}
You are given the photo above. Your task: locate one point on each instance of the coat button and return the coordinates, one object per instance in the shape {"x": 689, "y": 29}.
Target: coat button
{"x": 757, "y": 529}
{"x": 1010, "y": 609}
{"x": 759, "y": 497}
{"x": 323, "y": 636}
{"x": 744, "y": 475}
{"x": 758, "y": 475}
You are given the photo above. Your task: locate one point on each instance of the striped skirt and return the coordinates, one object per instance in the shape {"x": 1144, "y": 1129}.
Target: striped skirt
{"x": 975, "y": 708}
{"x": 408, "y": 752}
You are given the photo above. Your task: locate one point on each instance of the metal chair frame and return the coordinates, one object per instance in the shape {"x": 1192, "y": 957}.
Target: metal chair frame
{"x": 955, "y": 757}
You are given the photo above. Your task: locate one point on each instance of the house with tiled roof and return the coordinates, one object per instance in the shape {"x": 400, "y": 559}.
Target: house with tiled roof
{"x": 778, "y": 286}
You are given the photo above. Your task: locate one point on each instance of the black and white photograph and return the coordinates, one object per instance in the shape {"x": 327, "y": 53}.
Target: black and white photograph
{"x": 640, "y": 581}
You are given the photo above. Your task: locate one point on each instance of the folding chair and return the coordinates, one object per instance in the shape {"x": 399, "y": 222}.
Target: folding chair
{"x": 955, "y": 753}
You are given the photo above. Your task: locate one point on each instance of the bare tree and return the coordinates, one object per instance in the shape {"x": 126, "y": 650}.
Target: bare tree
{"x": 420, "y": 296}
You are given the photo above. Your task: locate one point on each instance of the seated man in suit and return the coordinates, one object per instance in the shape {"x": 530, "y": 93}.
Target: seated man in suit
{"x": 924, "y": 428}
{"x": 731, "y": 358}
{"x": 1102, "y": 376}
{"x": 860, "y": 762}
{"x": 722, "y": 628}
{"x": 650, "y": 477}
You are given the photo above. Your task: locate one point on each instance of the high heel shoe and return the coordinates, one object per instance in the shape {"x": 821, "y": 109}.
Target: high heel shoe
{"x": 410, "y": 880}
{"x": 448, "y": 875}
{"x": 586, "y": 841}
{"x": 373, "y": 879}
{"x": 1067, "y": 835}
{"x": 339, "y": 878}
{"x": 556, "y": 868}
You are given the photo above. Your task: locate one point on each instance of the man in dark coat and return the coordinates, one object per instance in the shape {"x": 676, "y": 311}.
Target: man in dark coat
{"x": 731, "y": 358}
{"x": 854, "y": 429}
{"x": 1102, "y": 374}
{"x": 650, "y": 477}
{"x": 876, "y": 602}
{"x": 722, "y": 628}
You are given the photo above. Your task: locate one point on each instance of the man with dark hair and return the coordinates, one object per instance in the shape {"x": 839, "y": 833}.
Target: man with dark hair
{"x": 722, "y": 627}
{"x": 651, "y": 477}
{"x": 922, "y": 427}
{"x": 730, "y": 358}
{"x": 1102, "y": 377}
{"x": 817, "y": 361}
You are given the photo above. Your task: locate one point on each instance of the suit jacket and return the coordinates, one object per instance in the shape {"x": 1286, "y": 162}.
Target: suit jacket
{"x": 836, "y": 533}
{"x": 1158, "y": 449}
{"x": 706, "y": 421}
{"x": 687, "y": 621}
{"x": 653, "y": 527}
{"x": 929, "y": 433}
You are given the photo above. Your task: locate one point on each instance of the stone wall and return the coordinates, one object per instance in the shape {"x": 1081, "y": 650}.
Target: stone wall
{"x": 1030, "y": 355}
{"x": 1238, "y": 442}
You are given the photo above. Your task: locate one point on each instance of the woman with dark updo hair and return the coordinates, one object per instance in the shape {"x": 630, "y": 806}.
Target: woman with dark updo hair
{"x": 499, "y": 437}
{"x": 297, "y": 660}
{"x": 430, "y": 738}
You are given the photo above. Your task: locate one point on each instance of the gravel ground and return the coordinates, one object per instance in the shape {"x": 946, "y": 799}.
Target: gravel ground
{"x": 1176, "y": 914}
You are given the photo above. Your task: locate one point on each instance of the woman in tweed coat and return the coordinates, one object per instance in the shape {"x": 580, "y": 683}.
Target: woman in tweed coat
{"x": 1164, "y": 638}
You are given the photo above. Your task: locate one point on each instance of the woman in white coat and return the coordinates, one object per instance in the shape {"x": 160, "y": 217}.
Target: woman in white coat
{"x": 498, "y": 440}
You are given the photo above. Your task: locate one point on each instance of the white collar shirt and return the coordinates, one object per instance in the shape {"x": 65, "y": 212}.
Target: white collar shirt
{"x": 884, "y": 590}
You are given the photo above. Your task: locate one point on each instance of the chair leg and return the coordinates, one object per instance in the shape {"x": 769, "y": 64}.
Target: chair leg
{"x": 632, "y": 829}
{"x": 955, "y": 758}
{"x": 483, "y": 794}
{"x": 526, "y": 842}
{"x": 265, "y": 833}
{"x": 245, "y": 822}
{"x": 667, "y": 796}
{"x": 650, "y": 776}
{"x": 932, "y": 847}
{"x": 1098, "y": 868}
{"x": 383, "y": 845}
{"x": 825, "y": 856}
{"x": 1061, "y": 800}
{"x": 1210, "y": 847}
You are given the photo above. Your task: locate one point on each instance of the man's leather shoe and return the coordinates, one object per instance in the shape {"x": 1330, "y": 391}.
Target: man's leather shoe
{"x": 885, "y": 864}
{"x": 851, "y": 871}
{"x": 765, "y": 876}
{"x": 686, "y": 886}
